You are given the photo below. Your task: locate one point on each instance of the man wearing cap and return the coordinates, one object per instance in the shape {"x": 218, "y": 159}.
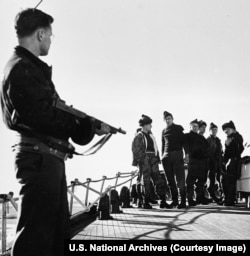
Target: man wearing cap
{"x": 172, "y": 159}
{"x": 205, "y": 149}
{"x": 27, "y": 98}
{"x": 146, "y": 157}
{"x": 197, "y": 157}
{"x": 215, "y": 160}
{"x": 231, "y": 159}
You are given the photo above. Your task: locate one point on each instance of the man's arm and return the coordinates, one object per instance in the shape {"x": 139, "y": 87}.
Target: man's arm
{"x": 138, "y": 149}
{"x": 32, "y": 98}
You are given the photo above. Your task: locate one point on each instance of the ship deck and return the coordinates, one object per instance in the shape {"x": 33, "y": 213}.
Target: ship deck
{"x": 205, "y": 222}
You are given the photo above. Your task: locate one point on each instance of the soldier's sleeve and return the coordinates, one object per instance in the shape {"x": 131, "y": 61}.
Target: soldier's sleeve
{"x": 138, "y": 149}
{"x": 225, "y": 155}
{"x": 240, "y": 144}
{"x": 182, "y": 136}
{"x": 162, "y": 143}
{"x": 186, "y": 144}
{"x": 33, "y": 101}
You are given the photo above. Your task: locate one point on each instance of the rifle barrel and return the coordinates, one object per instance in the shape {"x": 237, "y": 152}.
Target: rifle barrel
{"x": 61, "y": 105}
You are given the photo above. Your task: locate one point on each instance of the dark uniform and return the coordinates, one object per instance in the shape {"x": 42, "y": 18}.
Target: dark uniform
{"x": 197, "y": 148}
{"x": 27, "y": 98}
{"x": 173, "y": 163}
{"x": 145, "y": 157}
{"x": 231, "y": 159}
{"x": 215, "y": 164}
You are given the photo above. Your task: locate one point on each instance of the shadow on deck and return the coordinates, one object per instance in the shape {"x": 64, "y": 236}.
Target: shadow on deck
{"x": 208, "y": 222}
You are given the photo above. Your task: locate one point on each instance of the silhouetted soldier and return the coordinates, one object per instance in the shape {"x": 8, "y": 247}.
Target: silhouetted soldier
{"x": 27, "y": 98}
{"x": 146, "y": 157}
{"x": 215, "y": 161}
{"x": 172, "y": 159}
{"x": 232, "y": 156}
{"x": 205, "y": 149}
{"x": 196, "y": 158}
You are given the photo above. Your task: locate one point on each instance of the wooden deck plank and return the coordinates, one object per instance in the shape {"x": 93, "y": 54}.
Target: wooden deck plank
{"x": 210, "y": 222}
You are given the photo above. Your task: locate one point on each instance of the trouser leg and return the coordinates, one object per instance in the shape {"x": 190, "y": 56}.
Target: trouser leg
{"x": 160, "y": 184}
{"x": 139, "y": 191}
{"x": 139, "y": 188}
{"x": 44, "y": 218}
{"x": 153, "y": 195}
{"x": 211, "y": 188}
{"x": 145, "y": 169}
{"x": 63, "y": 223}
{"x": 213, "y": 168}
{"x": 230, "y": 195}
{"x": 169, "y": 171}
{"x": 180, "y": 176}
{"x": 230, "y": 181}
{"x": 191, "y": 178}
{"x": 200, "y": 189}
{"x": 201, "y": 180}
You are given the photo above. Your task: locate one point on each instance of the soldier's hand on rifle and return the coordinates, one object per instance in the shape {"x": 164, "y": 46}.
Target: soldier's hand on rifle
{"x": 103, "y": 129}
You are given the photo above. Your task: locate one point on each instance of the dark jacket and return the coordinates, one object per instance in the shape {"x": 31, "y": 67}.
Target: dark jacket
{"x": 196, "y": 146}
{"x": 27, "y": 98}
{"x": 172, "y": 138}
{"x": 235, "y": 148}
{"x": 215, "y": 148}
{"x": 139, "y": 148}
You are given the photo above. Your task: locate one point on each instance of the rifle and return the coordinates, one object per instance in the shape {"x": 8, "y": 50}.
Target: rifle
{"x": 60, "y": 104}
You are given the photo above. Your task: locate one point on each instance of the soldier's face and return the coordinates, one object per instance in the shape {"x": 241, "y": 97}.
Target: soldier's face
{"x": 169, "y": 120}
{"x": 214, "y": 131}
{"x": 147, "y": 127}
{"x": 194, "y": 127}
{"x": 202, "y": 129}
{"x": 229, "y": 131}
{"x": 45, "y": 41}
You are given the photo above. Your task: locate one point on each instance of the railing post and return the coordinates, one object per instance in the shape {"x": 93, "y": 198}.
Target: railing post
{"x": 4, "y": 217}
{"x": 87, "y": 191}
{"x": 102, "y": 186}
{"x": 117, "y": 177}
{"x": 71, "y": 197}
{"x": 130, "y": 185}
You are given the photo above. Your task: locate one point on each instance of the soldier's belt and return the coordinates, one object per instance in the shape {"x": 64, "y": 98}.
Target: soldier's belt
{"x": 34, "y": 145}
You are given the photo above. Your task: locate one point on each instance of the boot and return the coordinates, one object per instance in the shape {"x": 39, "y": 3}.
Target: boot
{"x": 140, "y": 204}
{"x": 191, "y": 202}
{"x": 203, "y": 201}
{"x": 183, "y": 199}
{"x": 164, "y": 204}
{"x": 215, "y": 198}
{"x": 147, "y": 206}
{"x": 174, "y": 200}
{"x": 183, "y": 202}
{"x": 153, "y": 201}
{"x": 182, "y": 205}
{"x": 174, "y": 203}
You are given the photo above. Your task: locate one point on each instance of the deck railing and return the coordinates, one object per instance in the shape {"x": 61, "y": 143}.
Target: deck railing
{"x": 5, "y": 200}
{"x": 126, "y": 177}
{"x": 123, "y": 178}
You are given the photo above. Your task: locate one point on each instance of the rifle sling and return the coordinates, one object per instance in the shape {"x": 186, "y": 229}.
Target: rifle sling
{"x": 97, "y": 146}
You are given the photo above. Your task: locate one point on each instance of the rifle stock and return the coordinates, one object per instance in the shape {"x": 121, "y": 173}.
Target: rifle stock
{"x": 61, "y": 105}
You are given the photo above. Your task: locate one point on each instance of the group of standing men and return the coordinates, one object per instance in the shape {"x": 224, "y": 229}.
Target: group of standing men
{"x": 204, "y": 158}
{"x": 27, "y": 102}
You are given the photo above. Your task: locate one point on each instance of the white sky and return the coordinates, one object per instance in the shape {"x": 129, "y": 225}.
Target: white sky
{"x": 118, "y": 59}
